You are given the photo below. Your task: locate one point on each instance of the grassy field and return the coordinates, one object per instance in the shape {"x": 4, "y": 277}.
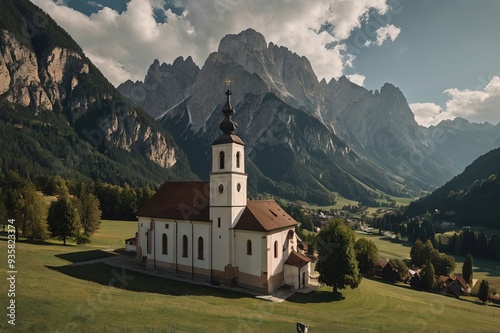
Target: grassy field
{"x": 52, "y": 296}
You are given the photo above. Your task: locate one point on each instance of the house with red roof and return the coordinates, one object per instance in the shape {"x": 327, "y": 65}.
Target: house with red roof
{"x": 209, "y": 230}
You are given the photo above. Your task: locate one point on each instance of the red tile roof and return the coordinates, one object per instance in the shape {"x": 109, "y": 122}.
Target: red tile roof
{"x": 462, "y": 281}
{"x": 264, "y": 215}
{"x": 297, "y": 259}
{"x": 179, "y": 200}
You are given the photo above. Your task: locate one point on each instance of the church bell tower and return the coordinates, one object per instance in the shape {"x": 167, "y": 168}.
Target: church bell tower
{"x": 228, "y": 186}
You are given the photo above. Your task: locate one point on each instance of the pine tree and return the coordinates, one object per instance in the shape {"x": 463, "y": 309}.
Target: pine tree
{"x": 484, "y": 291}
{"x": 467, "y": 269}
{"x": 337, "y": 265}
{"x": 63, "y": 219}
{"x": 428, "y": 280}
{"x": 415, "y": 253}
{"x": 90, "y": 213}
{"x": 35, "y": 214}
{"x": 366, "y": 254}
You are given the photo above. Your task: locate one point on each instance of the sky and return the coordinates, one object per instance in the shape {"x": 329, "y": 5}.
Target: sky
{"x": 443, "y": 55}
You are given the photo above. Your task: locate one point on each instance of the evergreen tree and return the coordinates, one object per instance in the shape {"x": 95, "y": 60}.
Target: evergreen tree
{"x": 469, "y": 242}
{"x": 415, "y": 253}
{"x": 399, "y": 266}
{"x": 467, "y": 269}
{"x": 3, "y": 212}
{"x": 428, "y": 278}
{"x": 63, "y": 219}
{"x": 366, "y": 254}
{"x": 337, "y": 265}
{"x": 35, "y": 214}
{"x": 482, "y": 245}
{"x": 89, "y": 211}
{"x": 484, "y": 291}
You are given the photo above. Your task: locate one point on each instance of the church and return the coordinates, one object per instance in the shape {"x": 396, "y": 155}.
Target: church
{"x": 211, "y": 231}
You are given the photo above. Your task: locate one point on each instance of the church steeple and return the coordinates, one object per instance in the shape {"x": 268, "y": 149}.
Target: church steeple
{"x": 227, "y": 125}
{"x": 228, "y": 187}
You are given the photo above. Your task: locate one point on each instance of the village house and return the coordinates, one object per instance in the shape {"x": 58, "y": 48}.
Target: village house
{"x": 209, "y": 230}
{"x": 454, "y": 285}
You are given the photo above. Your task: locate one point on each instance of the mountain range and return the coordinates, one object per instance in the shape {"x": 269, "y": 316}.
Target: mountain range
{"x": 60, "y": 115}
{"x": 302, "y": 134}
{"x": 305, "y": 139}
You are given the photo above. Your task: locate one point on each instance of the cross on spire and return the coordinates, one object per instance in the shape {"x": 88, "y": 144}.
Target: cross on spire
{"x": 227, "y": 126}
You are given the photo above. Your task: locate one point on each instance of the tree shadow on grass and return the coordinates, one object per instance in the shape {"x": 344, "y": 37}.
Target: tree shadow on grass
{"x": 316, "y": 296}
{"x": 139, "y": 282}
{"x": 491, "y": 268}
{"x": 37, "y": 242}
{"x": 85, "y": 255}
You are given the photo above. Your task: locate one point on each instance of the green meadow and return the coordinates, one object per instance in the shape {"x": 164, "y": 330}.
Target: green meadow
{"x": 52, "y": 296}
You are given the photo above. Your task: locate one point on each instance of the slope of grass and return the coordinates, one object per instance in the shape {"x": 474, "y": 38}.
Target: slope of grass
{"x": 52, "y": 296}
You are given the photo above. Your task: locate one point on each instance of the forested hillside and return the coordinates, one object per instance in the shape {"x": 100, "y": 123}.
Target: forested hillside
{"x": 471, "y": 198}
{"x": 60, "y": 116}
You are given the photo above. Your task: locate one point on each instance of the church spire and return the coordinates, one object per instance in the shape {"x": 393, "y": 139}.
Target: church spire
{"x": 227, "y": 126}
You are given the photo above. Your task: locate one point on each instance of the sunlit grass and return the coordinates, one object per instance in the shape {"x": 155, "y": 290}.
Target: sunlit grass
{"x": 52, "y": 296}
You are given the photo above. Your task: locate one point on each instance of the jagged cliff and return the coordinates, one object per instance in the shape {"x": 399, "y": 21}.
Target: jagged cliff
{"x": 46, "y": 74}
{"x": 330, "y": 136}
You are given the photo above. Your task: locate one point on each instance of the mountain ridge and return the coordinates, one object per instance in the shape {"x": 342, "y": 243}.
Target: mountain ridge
{"x": 378, "y": 128}
{"x": 50, "y": 86}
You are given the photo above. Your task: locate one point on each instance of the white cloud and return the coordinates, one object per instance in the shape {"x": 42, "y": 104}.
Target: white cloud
{"x": 123, "y": 45}
{"x": 357, "y": 79}
{"x": 427, "y": 114}
{"x": 388, "y": 33}
{"x": 477, "y": 106}
{"x": 346, "y": 15}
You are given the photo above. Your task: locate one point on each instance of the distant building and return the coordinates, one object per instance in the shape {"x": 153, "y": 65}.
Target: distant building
{"x": 209, "y": 230}
{"x": 131, "y": 244}
{"x": 455, "y": 285}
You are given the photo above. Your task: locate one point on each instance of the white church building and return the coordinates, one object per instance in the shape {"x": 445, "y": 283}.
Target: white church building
{"x": 210, "y": 230}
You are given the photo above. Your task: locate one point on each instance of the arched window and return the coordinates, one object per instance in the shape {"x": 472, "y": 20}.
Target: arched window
{"x": 164, "y": 244}
{"x": 276, "y": 249}
{"x": 238, "y": 159}
{"x": 185, "y": 246}
{"x": 221, "y": 160}
{"x": 249, "y": 247}
{"x": 200, "y": 248}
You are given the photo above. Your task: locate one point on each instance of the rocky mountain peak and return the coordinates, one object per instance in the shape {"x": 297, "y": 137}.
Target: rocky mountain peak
{"x": 288, "y": 75}
{"x": 249, "y": 38}
{"x": 388, "y": 88}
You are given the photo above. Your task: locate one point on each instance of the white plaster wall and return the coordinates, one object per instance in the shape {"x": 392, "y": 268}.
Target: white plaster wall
{"x": 275, "y": 265}
{"x": 229, "y": 177}
{"x": 291, "y": 276}
{"x": 160, "y": 229}
{"x": 142, "y": 228}
{"x": 230, "y": 150}
{"x": 221, "y": 236}
{"x": 250, "y": 264}
{"x": 202, "y": 229}
{"x": 307, "y": 270}
{"x": 184, "y": 228}
{"x": 230, "y": 196}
